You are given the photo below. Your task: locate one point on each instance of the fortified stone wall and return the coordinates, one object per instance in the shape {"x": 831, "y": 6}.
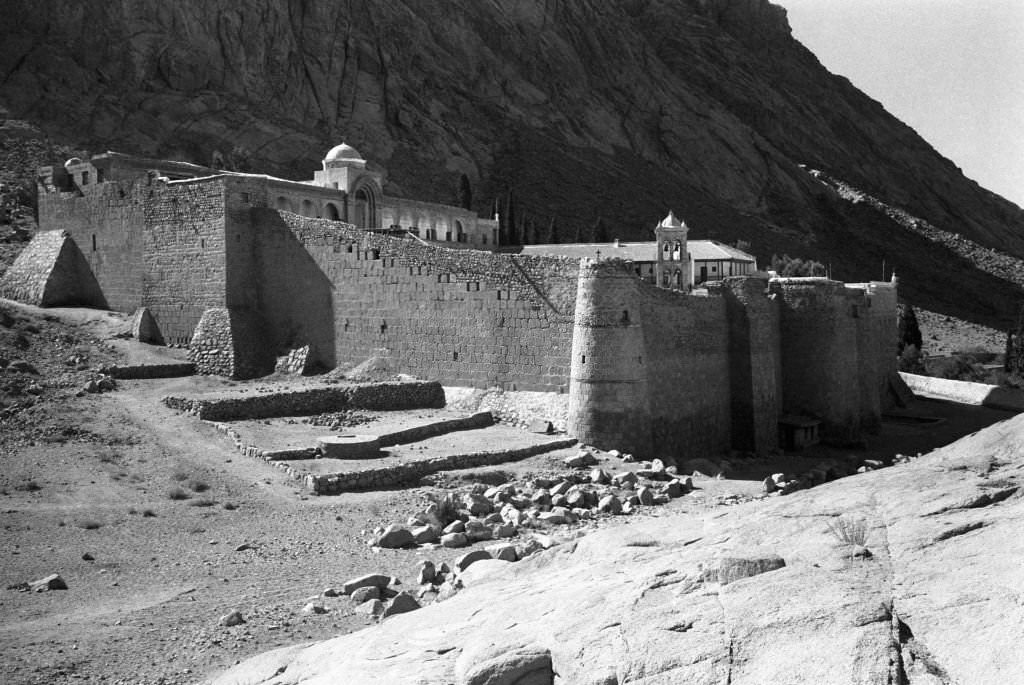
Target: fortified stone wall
{"x": 755, "y": 362}
{"x": 183, "y": 254}
{"x": 105, "y": 220}
{"x": 650, "y": 367}
{"x": 464, "y": 317}
{"x": 820, "y": 353}
{"x": 687, "y": 341}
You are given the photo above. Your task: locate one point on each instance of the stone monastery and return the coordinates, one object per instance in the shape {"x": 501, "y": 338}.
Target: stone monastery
{"x": 255, "y": 273}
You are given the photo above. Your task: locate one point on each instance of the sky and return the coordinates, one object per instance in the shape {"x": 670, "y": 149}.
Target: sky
{"x": 953, "y": 70}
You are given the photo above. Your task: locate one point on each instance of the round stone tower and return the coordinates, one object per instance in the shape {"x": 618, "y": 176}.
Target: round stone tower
{"x": 608, "y": 389}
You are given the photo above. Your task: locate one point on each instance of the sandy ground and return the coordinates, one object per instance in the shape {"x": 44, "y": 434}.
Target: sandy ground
{"x": 92, "y": 475}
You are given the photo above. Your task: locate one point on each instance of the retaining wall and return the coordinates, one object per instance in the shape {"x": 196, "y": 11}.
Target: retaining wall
{"x": 306, "y": 402}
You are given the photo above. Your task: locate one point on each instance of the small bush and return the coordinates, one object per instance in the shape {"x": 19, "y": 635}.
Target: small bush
{"x": 177, "y": 493}
{"x": 230, "y": 506}
{"x": 849, "y": 530}
{"x": 29, "y": 486}
{"x": 196, "y": 485}
{"x": 148, "y": 513}
{"x": 201, "y": 502}
{"x": 89, "y": 524}
{"x": 180, "y": 475}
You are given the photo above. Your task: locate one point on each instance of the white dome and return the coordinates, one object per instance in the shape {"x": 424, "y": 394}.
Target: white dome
{"x": 343, "y": 153}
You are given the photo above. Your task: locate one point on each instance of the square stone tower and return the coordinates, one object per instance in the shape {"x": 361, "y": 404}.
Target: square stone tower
{"x": 672, "y": 269}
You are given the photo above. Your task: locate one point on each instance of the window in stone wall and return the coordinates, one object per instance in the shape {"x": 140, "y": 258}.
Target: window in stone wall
{"x": 100, "y": 176}
{"x": 85, "y": 178}
{"x": 246, "y": 197}
{"x": 93, "y": 242}
{"x": 447, "y": 236}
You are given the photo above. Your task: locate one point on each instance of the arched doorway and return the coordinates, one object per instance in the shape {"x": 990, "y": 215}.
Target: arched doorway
{"x": 332, "y": 212}
{"x": 460, "y": 233}
{"x": 308, "y": 209}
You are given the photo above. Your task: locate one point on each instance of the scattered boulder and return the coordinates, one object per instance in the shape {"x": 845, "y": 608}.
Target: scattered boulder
{"x": 581, "y": 459}
{"x": 88, "y": 557}
{"x": 466, "y": 560}
{"x": 424, "y": 535}
{"x": 232, "y": 619}
{"x": 610, "y": 504}
{"x": 769, "y": 485}
{"x": 365, "y": 594}
{"x": 505, "y": 530}
{"x": 50, "y": 582}
{"x": 374, "y": 607}
{"x": 402, "y": 603}
{"x": 427, "y": 572}
{"x": 376, "y": 580}
{"x": 395, "y": 537}
{"x": 504, "y": 552}
{"x": 454, "y": 540}
{"x": 645, "y": 496}
{"x": 624, "y": 479}
{"x": 477, "y": 530}
{"x": 314, "y": 608}
{"x": 454, "y": 527}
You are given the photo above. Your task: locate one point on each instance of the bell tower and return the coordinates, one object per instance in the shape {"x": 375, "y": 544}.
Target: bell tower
{"x": 672, "y": 268}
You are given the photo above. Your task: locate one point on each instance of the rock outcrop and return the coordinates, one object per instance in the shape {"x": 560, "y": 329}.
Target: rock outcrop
{"x": 905, "y": 575}
{"x": 582, "y": 110}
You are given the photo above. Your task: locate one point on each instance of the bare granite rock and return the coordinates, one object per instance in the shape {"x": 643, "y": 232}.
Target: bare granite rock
{"x": 938, "y": 594}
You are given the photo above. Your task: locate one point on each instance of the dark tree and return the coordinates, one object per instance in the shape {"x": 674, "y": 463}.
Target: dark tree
{"x": 794, "y": 266}
{"x": 552, "y": 235}
{"x": 908, "y": 332}
{"x": 601, "y": 231}
{"x": 1014, "y": 362}
{"x": 465, "y": 195}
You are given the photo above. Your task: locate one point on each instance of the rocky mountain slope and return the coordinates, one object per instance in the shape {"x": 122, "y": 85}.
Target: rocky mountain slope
{"x": 582, "y": 110}
{"x": 908, "y": 575}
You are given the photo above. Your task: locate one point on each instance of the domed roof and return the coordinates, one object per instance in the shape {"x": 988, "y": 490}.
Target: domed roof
{"x": 343, "y": 152}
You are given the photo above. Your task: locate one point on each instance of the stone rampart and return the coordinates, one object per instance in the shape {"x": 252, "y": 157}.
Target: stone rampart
{"x": 309, "y": 401}
{"x": 105, "y": 220}
{"x": 464, "y": 317}
{"x": 820, "y": 353}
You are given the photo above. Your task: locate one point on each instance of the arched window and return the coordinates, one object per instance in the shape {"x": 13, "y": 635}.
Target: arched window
{"x": 678, "y": 278}
{"x": 678, "y": 254}
{"x": 332, "y": 212}
{"x": 666, "y": 250}
{"x": 665, "y": 279}
{"x": 460, "y": 234}
{"x": 282, "y": 203}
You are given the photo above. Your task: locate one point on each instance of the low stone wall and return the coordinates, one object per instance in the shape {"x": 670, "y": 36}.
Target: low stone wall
{"x": 144, "y": 371}
{"x": 965, "y": 392}
{"x": 386, "y": 476}
{"x": 479, "y": 420}
{"x": 306, "y": 402}
{"x": 369, "y": 479}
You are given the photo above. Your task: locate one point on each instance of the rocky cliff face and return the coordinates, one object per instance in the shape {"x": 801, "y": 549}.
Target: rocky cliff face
{"x": 582, "y": 109}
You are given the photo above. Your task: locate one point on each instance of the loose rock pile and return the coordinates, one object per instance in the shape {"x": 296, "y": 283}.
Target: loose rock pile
{"x": 499, "y": 512}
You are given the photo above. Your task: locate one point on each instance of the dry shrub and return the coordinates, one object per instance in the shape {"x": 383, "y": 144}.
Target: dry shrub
{"x": 177, "y": 493}
{"x": 849, "y": 530}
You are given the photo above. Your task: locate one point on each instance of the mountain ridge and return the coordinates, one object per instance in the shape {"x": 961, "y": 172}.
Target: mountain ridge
{"x": 580, "y": 111}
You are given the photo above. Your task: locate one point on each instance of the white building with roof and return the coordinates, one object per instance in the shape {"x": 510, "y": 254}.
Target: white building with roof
{"x": 671, "y": 261}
